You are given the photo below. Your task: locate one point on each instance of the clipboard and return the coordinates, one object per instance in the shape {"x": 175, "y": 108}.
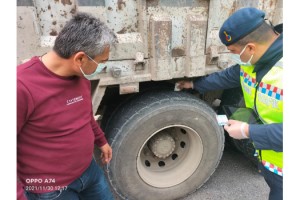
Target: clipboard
{"x": 242, "y": 114}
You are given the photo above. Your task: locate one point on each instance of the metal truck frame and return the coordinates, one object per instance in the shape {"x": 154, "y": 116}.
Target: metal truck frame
{"x": 166, "y": 144}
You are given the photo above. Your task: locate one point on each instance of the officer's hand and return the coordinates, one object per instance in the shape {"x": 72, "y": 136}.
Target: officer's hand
{"x": 237, "y": 129}
{"x": 184, "y": 84}
{"x": 106, "y": 153}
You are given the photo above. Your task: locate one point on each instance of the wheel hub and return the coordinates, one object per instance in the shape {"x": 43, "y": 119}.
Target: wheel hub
{"x": 162, "y": 145}
{"x": 169, "y": 156}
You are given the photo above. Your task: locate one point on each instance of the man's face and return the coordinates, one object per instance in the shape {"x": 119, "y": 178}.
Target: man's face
{"x": 245, "y": 52}
{"x": 234, "y": 49}
{"x": 93, "y": 62}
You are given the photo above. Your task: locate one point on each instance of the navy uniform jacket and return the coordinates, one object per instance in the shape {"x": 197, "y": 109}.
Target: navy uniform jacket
{"x": 268, "y": 136}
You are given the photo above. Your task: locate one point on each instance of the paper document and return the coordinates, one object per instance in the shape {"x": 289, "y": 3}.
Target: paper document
{"x": 222, "y": 120}
{"x": 176, "y": 87}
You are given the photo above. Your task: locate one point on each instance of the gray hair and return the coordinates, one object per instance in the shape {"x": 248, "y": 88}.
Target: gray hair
{"x": 260, "y": 35}
{"x": 83, "y": 33}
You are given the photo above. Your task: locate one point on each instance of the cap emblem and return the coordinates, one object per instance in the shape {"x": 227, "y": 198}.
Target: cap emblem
{"x": 227, "y": 37}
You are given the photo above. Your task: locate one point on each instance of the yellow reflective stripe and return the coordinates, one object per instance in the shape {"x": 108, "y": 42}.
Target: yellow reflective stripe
{"x": 276, "y": 158}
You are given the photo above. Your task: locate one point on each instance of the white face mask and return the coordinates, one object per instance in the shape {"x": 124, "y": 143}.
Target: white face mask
{"x": 99, "y": 68}
{"x": 237, "y": 58}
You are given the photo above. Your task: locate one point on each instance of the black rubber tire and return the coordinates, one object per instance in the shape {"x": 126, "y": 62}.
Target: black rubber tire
{"x": 114, "y": 100}
{"x": 135, "y": 121}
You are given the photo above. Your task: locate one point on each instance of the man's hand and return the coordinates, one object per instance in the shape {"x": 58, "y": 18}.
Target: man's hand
{"x": 184, "y": 85}
{"x": 106, "y": 153}
{"x": 237, "y": 129}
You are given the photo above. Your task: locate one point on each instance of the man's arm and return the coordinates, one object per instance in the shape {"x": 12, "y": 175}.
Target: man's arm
{"x": 267, "y": 136}
{"x": 101, "y": 141}
{"x": 25, "y": 105}
{"x": 226, "y": 79}
{"x": 264, "y": 136}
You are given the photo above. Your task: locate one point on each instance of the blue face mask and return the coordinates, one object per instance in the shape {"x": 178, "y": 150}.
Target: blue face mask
{"x": 99, "y": 68}
{"x": 237, "y": 58}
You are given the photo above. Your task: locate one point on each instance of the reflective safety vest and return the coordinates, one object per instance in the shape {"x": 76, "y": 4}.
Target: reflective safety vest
{"x": 266, "y": 98}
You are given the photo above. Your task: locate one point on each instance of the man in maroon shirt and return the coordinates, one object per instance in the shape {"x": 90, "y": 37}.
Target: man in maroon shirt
{"x": 56, "y": 130}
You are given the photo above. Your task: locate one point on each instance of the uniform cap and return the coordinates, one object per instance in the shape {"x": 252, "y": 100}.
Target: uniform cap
{"x": 240, "y": 24}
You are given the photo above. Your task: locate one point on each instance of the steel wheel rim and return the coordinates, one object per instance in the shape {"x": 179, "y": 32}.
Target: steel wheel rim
{"x": 178, "y": 166}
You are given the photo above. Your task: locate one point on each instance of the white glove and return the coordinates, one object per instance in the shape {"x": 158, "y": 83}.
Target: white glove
{"x": 237, "y": 129}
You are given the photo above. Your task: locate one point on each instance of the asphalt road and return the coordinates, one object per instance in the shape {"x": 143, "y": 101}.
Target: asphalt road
{"x": 236, "y": 178}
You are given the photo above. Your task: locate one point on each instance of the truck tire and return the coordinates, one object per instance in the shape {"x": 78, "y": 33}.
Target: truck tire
{"x": 165, "y": 145}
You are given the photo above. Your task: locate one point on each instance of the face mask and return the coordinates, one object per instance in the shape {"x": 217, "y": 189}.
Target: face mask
{"x": 99, "y": 68}
{"x": 237, "y": 58}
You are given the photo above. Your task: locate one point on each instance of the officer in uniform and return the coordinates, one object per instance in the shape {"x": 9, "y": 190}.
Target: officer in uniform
{"x": 257, "y": 48}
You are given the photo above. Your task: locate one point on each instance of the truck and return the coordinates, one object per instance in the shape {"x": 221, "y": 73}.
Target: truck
{"x": 166, "y": 144}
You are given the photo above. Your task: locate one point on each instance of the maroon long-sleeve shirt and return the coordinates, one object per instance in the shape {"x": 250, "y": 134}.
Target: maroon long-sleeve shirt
{"x": 56, "y": 130}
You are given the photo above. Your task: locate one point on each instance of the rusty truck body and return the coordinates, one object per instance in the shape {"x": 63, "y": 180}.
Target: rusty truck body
{"x": 166, "y": 144}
